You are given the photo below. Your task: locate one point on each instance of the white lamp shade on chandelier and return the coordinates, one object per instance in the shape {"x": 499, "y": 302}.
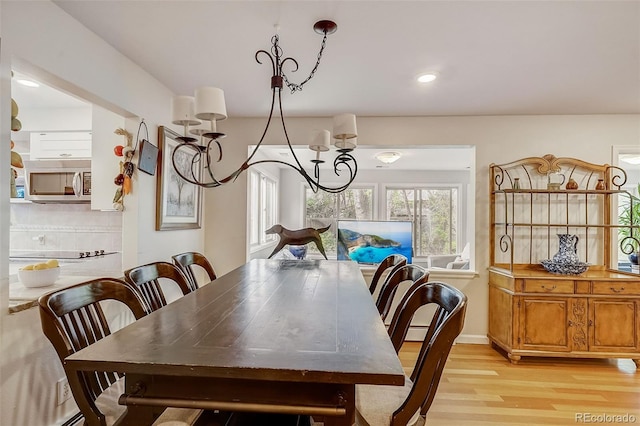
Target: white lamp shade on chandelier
{"x": 320, "y": 141}
{"x": 209, "y": 104}
{"x": 182, "y": 111}
{"x": 345, "y": 131}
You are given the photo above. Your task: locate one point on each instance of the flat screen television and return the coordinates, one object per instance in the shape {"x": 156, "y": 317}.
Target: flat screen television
{"x": 370, "y": 241}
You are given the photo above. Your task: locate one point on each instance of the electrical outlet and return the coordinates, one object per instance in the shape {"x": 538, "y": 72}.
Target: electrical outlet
{"x": 64, "y": 391}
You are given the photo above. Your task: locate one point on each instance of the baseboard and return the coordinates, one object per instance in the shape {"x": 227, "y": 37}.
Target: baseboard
{"x": 473, "y": 339}
{"x": 416, "y": 334}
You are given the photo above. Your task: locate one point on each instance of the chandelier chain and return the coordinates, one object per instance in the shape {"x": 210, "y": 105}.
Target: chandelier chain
{"x": 297, "y": 87}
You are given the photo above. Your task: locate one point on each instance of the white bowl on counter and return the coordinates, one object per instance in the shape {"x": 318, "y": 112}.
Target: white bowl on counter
{"x": 38, "y": 277}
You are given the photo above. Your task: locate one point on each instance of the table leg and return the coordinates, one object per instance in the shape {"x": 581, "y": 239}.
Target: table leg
{"x": 348, "y": 396}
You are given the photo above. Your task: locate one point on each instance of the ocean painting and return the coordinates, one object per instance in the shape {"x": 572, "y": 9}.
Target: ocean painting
{"x": 370, "y": 242}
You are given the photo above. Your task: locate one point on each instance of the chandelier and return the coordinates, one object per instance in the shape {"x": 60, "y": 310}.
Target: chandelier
{"x": 208, "y": 104}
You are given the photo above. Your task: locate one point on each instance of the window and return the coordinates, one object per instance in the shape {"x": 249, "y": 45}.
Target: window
{"x": 323, "y": 208}
{"x": 434, "y": 213}
{"x": 263, "y": 203}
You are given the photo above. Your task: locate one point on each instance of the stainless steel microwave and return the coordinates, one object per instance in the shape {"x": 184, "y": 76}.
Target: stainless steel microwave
{"x": 58, "y": 181}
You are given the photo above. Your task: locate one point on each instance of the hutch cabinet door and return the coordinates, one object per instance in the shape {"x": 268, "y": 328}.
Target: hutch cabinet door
{"x": 543, "y": 324}
{"x": 501, "y": 309}
{"x": 613, "y": 325}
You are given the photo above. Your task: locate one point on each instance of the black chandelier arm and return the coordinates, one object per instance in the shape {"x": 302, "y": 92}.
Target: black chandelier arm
{"x": 196, "y": 157}
{"x": 293, "y": 70}
{"x": 266, "y": 127}
{"x": 286, "y": 133}
{"x": 273, "y": 64}
{"x": 314, "y": 184}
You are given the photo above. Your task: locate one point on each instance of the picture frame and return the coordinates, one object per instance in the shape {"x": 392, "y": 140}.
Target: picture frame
{"x": 178, "y": 203}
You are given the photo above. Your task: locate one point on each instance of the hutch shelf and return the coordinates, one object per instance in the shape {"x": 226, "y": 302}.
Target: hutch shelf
{"x": 532, "y": 312}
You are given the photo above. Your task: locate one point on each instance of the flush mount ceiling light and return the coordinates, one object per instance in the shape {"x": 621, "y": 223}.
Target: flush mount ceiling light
{"x": 388, "y": 157}
{"x": 426, "y": 78}
{"x": 208, "y": 104}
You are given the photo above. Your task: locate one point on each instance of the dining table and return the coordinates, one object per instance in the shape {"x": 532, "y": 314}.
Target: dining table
{"x": 271, "y": 336}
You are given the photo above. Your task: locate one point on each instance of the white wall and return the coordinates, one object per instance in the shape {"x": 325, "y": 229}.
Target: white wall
{"x": 40, "y": 38}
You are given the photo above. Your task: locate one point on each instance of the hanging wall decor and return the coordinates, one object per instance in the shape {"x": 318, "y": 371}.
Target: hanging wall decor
{"x": 148, "y": 157}
{"x": 123, "y": 179}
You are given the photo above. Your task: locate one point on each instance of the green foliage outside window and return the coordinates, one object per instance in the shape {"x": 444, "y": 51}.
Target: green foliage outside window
{"x": 434, "y": 214}
{"x": 323, "y": 209}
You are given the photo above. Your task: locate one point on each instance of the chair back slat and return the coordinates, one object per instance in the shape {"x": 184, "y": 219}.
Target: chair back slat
{"x": 414, "y": 273}
{"x": 394, "y": 261}
{"x": 73, "y": 319}
{"x": 186, "y": 261}
{"x": 445, "y": 326}
{"x": 145, "y": 279}
{"x": 152, "y": 294}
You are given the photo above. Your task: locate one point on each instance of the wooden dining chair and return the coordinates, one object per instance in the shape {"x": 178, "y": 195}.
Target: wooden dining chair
{"x": 414, "y": 273}
{"x": 393, "y": 261}
{"x": 185, "y": 262}
{"x": 146, "y": 278}
{"x": 73, "y": 319}
{"x": 408, "y": 405}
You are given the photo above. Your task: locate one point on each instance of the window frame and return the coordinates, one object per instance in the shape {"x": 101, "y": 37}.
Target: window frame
{"x": 259, "y": 221}
{"x": 460, "y": 220}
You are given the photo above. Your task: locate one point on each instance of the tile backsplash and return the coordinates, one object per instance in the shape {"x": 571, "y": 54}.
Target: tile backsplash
{"x": 75, "y": 227}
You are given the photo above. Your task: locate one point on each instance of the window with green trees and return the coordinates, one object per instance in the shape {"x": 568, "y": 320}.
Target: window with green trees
{"x": 323, "y": 209}
{"x": 434, "y": 213}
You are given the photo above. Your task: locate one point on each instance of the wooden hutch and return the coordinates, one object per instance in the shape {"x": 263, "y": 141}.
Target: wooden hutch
{"x": 532, "y": 312}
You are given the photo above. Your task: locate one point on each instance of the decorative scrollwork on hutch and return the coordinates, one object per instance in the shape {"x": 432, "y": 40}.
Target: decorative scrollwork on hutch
{"x": 534, "y": 198}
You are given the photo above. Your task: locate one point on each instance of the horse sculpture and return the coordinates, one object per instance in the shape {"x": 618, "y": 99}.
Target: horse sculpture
{"x": 297, "y": 237}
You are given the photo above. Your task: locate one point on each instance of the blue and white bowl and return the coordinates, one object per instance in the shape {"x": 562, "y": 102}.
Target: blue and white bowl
{"x": 574, "y": 268}
{"x": 300, "y": 252}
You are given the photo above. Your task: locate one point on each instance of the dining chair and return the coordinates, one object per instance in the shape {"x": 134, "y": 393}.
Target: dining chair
{"x": 185, "y": 262}
{"x": 146, "y": 278}
{"x": 408, "y": 405}
{"x": 393, "y": 261}
{"x": 412, "y": 272}
{"x": 72, "y": 319}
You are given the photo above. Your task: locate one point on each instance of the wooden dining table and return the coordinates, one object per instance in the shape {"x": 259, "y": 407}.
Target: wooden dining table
{"x": 273, "y": 336}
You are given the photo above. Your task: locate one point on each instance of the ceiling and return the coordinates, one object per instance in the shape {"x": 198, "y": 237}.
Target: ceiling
{"x": 491, "y": 57}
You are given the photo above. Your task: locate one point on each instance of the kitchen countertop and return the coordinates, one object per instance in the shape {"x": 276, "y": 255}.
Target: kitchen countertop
{"x": 21, "y": 298}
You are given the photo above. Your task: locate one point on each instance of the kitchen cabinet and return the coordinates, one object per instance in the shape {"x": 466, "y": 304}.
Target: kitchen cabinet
{"x": 60, "y": 145}
{"x": 532, "y": 312}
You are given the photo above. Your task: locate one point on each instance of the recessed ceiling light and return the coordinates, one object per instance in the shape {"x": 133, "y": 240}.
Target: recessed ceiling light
{"x": 426, "y": 78}
{"x": 388, "y": 157}
{"x": 28, "y": 83}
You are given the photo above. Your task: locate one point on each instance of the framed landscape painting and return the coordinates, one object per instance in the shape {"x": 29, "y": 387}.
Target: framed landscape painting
{"x": 178, "y": 202}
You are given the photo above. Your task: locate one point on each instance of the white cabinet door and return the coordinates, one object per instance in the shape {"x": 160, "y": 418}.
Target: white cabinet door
{"x": 60, "y": 145}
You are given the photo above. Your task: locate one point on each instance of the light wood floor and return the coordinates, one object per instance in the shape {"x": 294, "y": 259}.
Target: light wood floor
{"x": 480, "y": 387}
